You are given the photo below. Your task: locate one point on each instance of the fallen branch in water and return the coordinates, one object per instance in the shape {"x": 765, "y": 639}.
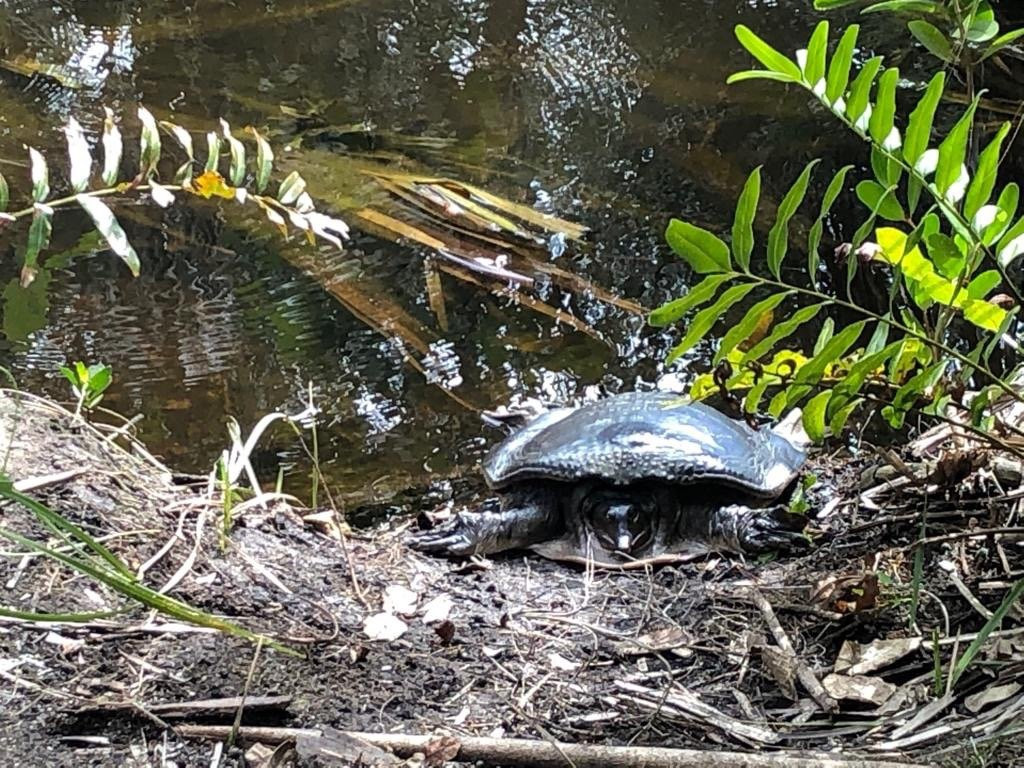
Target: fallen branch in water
{"x": 554, "y": 754}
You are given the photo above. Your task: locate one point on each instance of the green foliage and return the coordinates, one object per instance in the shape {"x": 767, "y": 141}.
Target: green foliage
{"x": 88, "y": 383}
{"x": 84, "y": 554}
{"x": 945, "y": 262}
{"x": 292, "y": 208}
{"x": 960, "y": 32}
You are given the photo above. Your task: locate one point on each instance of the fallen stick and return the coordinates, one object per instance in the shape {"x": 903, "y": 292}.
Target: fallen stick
{"x": 544, "y": 754}
{"x": 803, "y": 672}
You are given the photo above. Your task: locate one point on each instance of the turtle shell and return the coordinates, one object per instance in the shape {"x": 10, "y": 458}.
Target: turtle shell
{"x": 640, "y": 436}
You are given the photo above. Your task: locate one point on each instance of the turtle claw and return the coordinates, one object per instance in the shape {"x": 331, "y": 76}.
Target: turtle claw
{"x": 452, "y": 538}
{"x": 772, "y": 529}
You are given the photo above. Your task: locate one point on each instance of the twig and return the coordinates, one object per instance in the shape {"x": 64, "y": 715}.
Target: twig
{"x": 41, "y": 481}
{"x": 245, "y": 692}
{"x": 977, "y": 533}
{"x": 542, "y": 754}
{"x": 803, "y": 672}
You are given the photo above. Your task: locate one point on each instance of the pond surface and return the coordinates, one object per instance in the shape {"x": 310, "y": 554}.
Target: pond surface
{"x": 613, "y": 113}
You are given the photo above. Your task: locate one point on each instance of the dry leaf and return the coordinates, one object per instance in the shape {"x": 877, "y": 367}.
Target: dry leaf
{"x": 857, "y": 659}
{"x": 384, "y": 626}
{"x": 437, "y": 609}
{"x": 780, "y": 665}
{"x": 665, "y": 639}
{"x": 400, "y": 600}
{"x": 868, "y": 690}
{"x": 445, "y": 630}
{"x": 978, "y": 701}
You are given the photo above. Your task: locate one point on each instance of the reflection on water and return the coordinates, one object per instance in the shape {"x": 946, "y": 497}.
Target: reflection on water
{"x": 611, "y": 112}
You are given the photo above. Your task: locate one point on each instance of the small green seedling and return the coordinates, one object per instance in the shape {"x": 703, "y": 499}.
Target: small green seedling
{"x": 88, "y": 383}
{"x": 798, "y": 504}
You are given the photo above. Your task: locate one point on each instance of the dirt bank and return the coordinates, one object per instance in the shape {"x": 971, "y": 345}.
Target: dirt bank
{"x": 716, "y": 654}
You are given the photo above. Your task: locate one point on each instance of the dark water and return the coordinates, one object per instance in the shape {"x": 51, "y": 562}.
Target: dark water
{"x": 611, "y": 112}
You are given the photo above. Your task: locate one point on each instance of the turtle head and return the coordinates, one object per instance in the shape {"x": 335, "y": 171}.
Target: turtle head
{"x": 622, "y": 523}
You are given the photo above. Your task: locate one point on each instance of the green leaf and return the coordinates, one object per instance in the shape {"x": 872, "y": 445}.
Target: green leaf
{"x": 38, "y": 238}
{"x": 817, "y": 49}
{"x": 1006, "y": 206}
{"x": 149, "y": 144}
{"x": 40, "y": 173}
{"x": 212, "y": 152}
{"x": 100, "y": 377}
{"x": 294, "y": 185}
{"x": 1011, "y": 599}
{"x": 984, "y": 181}
{"x": 983, "y": 26}
{"x": 183, "y": 137}
{"x": 111, "y": 230}
{"x": 740, "y": 332}
{"x": 878, "y": 338}
{"x": 777, "y": 404}
{"x": 764, "y": 53}
{"x": 982, "y": 285}
{"x": 953, "y": 151}
{"x": 752, "y": 401}
{"x": 919, "y": 128}
{"x": 671, "y": 311}
{"x": 916, "y": 387}
{"x": 70, "y": 375}
{"x": 861, "y": 89}
{"x": 814, "y": 416}
{"x": 884, "y": 113}
{"x": 827, "y": 330}
{"x": 839, "y": 68}
{"x": 881, "y": 200}
{"x": 905, "y": 6}
{"x": 112, "y": 149}
{"x": 264, "y": 161}
{"x": 842, "y": 415}
{"x": 811, "y": 372}
{"x": 887, "y": 170}
{"x": 759, "y": 74}
{"x": 5, "y": 194}
{"x": 236, "y": 172}
{"x": 947, "y": 257}
{"x": 866, "y": 366}
{"x": 835, "y": 187}
{"x": 932, "y": 39}
{"x": 80, "y": 161}
{"x": 984, "y": 314}
{"x": 66, "y": 530}
{"x": 706, "y": 318}
{"x": 702, "y": 250}
{"x": 781, "y": 331}
{"x": 831, "y": 5}
{"x": 743, "y": 223}
{"x": 1001, "y": 42}
{"x": 778, "y": 236}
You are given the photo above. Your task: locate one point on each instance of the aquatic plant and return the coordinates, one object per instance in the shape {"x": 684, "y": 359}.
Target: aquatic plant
{"x": 934, "y": 218}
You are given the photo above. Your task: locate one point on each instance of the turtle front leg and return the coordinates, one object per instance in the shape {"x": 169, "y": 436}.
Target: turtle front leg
{"x": 757, "y": 529}
{"x": 526, "y": 519}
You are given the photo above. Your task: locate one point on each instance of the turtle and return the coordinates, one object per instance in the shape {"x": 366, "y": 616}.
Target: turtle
{"x": 631, "y": 479}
